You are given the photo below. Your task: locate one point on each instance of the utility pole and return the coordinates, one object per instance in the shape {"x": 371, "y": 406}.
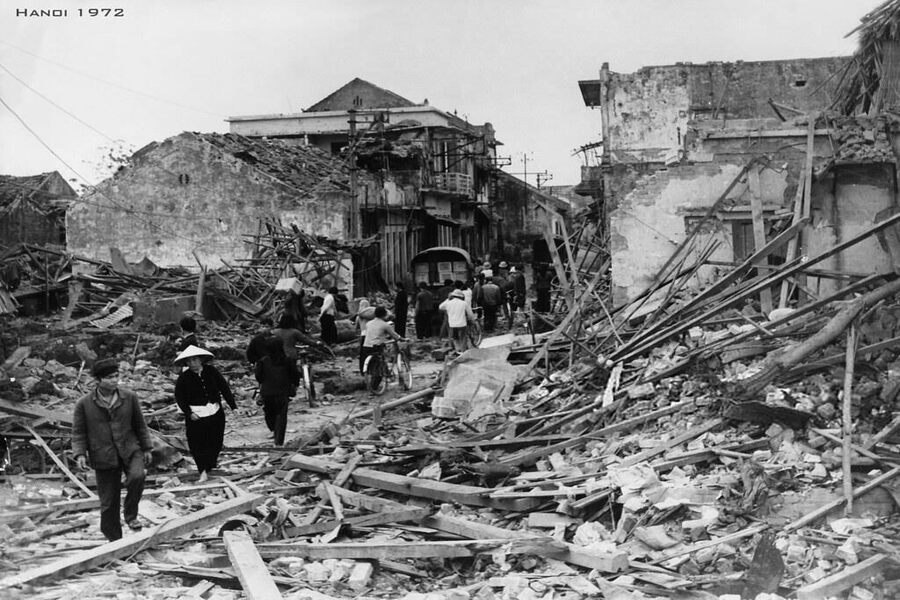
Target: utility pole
{"x": 543, "y": 178}
{"x": 355, "y": 232}
{"x": 525, "y": 167}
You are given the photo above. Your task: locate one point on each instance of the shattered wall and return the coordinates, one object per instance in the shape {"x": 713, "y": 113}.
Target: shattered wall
{"x": 184, "y": 196}
{"x": 648, "y": 111}
{"x": 656, "y": 216}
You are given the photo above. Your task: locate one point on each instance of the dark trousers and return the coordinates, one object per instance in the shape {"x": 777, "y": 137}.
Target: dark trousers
{"x": 329, "y": 329}
{"x": 400, "y": 323}
{"x": 205, "y": 437}
{"x": 109, "y": 489}
{"x": 490, "y": 317}
{"x": 423, "y": 324}
{"x": 362, "y": 352}
{"x": 275, "y": 409}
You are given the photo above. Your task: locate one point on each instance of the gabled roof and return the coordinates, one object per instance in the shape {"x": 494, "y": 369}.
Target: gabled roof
{"x": 359, "y": 94}
{"x": 46, "y": 192}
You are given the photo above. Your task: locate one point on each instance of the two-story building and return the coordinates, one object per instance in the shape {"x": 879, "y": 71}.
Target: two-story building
{"x": 438, "y": 173}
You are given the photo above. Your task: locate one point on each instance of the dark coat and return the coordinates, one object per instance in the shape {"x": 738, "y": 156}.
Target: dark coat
{"x": 106, "y": 436}
{"x": 277, "y": 377}
{"x": 188, "y": 340}
{"x": 207, "y": 387}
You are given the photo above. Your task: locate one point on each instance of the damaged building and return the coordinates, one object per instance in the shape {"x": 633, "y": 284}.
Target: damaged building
{"x": 33, "y": 208}
{"x": 438, "y": 174}
{"x": 197, "y": 197}
{"x": 733, "y": 149}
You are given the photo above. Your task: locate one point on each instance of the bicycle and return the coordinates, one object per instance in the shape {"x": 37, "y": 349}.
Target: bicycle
{"x": 474, "y": 330}
{"x": 306, "y": 374}
{"x": 377, "y": 369}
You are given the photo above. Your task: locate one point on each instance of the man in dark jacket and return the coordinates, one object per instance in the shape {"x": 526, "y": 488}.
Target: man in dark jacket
{"x": 424, "y": 311}
{"x": 108, "y": 429}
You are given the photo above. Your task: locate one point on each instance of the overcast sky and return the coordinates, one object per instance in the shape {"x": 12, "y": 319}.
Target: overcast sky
{"x": 168, "y": 66}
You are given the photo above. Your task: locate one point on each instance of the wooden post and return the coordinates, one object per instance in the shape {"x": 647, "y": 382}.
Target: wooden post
{"x": 759, "y": 232}
{"x": 800, "y": 208}
{"x": 847, "y": 419}
{"x": 201, "y": 285}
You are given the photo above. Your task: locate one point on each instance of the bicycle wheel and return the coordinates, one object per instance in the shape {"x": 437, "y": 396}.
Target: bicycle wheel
{"x": 474, "y": 333}
{"x": 308, "y": 385}
{"x": 375, "y": 381}
{"x": 404, "y": 374}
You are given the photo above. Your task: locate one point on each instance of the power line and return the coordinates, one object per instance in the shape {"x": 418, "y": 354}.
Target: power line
{"x": 111, "y": 83}
{"x": 39, "y": 138}
{"x": 86, "y": 124}
{"x": 85, "y": 179}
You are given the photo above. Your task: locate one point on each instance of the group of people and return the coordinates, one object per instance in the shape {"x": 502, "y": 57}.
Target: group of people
{"x": 109, "y": 432}
{"x": 447, "y": 311}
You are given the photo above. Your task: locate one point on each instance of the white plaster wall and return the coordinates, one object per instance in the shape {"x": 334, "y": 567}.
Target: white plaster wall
{"x": 649, "y": 224}
{"x": 647, "y": 111}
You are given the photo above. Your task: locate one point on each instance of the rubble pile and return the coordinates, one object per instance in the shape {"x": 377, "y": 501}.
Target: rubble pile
{"x": 863, "y": 139}
{"x": 638, "y": 454}
{"x": 109, "y": 292}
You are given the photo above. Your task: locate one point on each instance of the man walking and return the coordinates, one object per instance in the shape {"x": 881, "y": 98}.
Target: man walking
{"x": 491, "y": 298}
{"x": 108, "y": 429}
{"x": 459, "y": 314}
{"x": 328, "y": 316}
{"x": 423, "y": 311}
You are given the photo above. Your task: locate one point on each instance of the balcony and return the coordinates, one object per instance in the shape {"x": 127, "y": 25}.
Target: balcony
{"x": 454, "y": 183}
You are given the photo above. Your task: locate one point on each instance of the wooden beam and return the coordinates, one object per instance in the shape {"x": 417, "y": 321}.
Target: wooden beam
{"x": 59, "y": 462}
{"x": 377, "y": 551}
{"x": 830, "y": 506}
{"x": 148, "y": 538}
{"x": 382, "y": 518}
{"x": 335, "y": 501}
{"x": 413, "y": 486}
{"x": 249, "y": 567}
{"x": 570, "y": 553}
{"x": 35, "y": 413}
{"x": 833, "y": 585}
{"x": 799, "y": 205}
{"x": 759, "y": 232}
{"x": 339, "y": 480}
{"x": 847, "y": 420}
{"x": 394, "y": 403}
{"x": 725, "y": 539}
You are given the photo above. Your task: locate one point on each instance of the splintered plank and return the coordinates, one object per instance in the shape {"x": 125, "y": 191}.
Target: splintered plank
{"x": 59, "y": 462}
{"x": 394, "y": 516}
{"x": 759, "y": 232}
{"x": 469, "y": 495}
{"x": 249, "y": 566}
{"x": 842, "y": 580}
{"x": 127, "y": 546}
{"x": 35, "y": 413}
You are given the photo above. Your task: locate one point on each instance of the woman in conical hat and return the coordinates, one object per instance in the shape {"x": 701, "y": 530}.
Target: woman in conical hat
{"x": 199, "y": 392}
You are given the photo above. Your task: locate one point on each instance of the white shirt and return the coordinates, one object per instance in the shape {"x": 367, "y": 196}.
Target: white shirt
{"x": 468, "y": 296}
{"x": 458, "y": 312}
{"x": 328, "y": 305}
